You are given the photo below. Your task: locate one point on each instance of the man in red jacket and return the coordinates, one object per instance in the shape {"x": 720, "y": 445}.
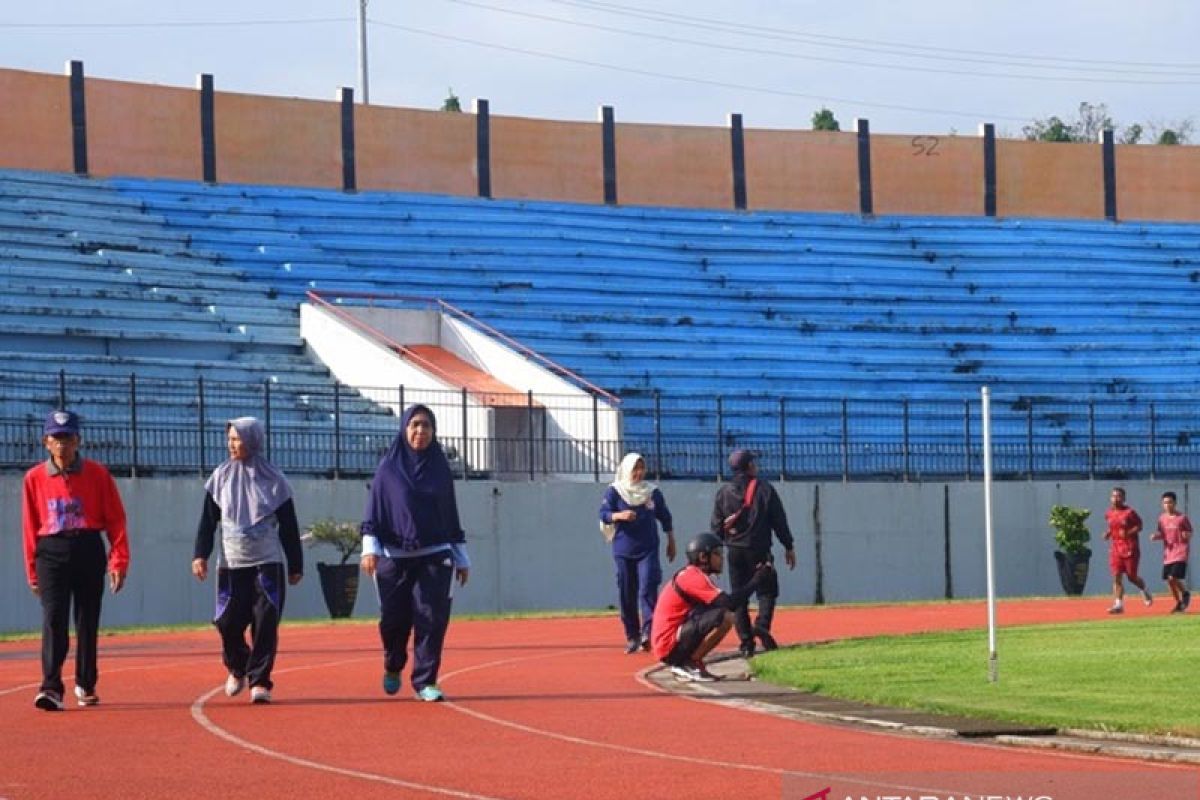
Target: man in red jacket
{"x": 68, "y": 500}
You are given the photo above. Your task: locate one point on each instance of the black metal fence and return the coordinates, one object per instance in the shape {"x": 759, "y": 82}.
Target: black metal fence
{"x": 143, "y": 425}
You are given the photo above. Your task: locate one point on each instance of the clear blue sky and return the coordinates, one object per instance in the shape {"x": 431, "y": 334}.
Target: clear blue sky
{"x": 917, "y": 67}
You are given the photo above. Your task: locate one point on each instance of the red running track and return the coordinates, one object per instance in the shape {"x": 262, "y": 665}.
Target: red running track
{"x": 548, "y": 708}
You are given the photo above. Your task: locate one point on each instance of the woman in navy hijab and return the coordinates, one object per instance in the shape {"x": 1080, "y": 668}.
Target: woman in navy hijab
{"x": 414, "y": 548}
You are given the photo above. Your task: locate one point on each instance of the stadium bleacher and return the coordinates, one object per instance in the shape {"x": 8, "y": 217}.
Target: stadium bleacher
{"x": 667, "y": 308}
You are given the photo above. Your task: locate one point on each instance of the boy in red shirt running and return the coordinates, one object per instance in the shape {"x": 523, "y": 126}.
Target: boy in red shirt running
{"x": 1175, "y": 532}
{"x": 692, "y": 614}
{"x": 1124, "y": 525}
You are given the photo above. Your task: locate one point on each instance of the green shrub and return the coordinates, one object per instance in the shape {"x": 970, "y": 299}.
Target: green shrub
{"x": 1070, "y": 533}
{"x": 340, "y": 534}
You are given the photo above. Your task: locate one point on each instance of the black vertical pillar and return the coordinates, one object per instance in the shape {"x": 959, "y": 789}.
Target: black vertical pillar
{"x": 349, "y": 173}
{"x": 208, "y": 130}
{"x": 989, "y": 169}
{"x": 1109, "y": 151}
{"x": 483, "y": 147}
{"x": 608, "y": 137}
{"x": 866, "y": 203}
{"x": 78, "y": 119}
{"x": 737, "y": 140}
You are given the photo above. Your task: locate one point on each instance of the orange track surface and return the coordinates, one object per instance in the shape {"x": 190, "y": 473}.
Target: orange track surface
{"x": 538, "y": 709}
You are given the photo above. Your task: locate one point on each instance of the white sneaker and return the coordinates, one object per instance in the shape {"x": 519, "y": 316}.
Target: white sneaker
{"x": 1147, "y": 598}
{"x": 260, "y": 695}
{"x": 683, "y": 674}
{"x": 234, "y": 685}
{"x": 86, "y": 698}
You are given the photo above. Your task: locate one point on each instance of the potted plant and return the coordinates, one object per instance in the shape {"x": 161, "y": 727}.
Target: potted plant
{"x": 1071, "y": 535}
{"x": 339, "y": 582}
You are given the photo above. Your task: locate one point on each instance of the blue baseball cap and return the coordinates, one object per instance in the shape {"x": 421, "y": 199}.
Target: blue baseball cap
{"x": 61, "y": 422}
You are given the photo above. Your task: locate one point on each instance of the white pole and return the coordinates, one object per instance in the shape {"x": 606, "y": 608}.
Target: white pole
{"x": 993, "y": 665}
{"x": 362, "y": 52}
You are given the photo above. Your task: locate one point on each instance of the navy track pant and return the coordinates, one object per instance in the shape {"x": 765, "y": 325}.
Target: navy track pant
{"x": 637, "y": 589}
{"x": 415, "y": 595}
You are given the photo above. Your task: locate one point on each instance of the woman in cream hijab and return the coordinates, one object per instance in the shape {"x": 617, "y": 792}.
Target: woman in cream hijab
{"x": 629, "y": 518}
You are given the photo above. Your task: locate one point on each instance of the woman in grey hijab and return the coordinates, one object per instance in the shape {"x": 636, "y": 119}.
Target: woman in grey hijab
{"x": 251, "y": 501}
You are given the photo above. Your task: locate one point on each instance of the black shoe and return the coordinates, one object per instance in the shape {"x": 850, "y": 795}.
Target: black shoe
{"x": 632, "y": 646}
{"x": 746, "y": 650}
{"x": 646, "y": 643}
{"x": 1178, "y": 609}
{"x": 764, "y": 636}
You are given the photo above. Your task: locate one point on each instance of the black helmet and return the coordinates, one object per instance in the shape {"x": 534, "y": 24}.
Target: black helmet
{"x": 702, "y": 544}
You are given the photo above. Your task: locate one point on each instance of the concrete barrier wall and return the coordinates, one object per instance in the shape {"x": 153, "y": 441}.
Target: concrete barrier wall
{"x": 537, "y": 546}
{"x": 154, "y": 131}
{"x": 134, "y": 129}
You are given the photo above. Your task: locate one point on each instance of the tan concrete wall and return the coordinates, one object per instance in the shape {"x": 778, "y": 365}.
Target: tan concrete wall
{"x": 278, "y": 140}
{"x": 410, "y": 150}
{"x": 938, "y": 175}
{"x": 134, "y": 129}
{"x": 673, "y": 165}
{"x": 35, "y": 121}
{"x": 547, "y": 160}
{"x": 137, "y": 129}
{"x": 1158, "y": 183}
{"x": 1039, "y": 179}
{"x": 802, "y": 170}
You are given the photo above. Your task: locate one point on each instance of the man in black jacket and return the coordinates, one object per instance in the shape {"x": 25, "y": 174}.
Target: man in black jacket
{"x": 746, "y": 511}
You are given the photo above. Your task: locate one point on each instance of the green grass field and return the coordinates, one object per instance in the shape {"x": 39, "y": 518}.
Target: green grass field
{"x": 1122, "y": 675}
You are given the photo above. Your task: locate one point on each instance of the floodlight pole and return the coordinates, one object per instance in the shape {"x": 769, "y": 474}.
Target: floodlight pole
{"x": 362, "y": 52}
{"x": 993, "y": 664}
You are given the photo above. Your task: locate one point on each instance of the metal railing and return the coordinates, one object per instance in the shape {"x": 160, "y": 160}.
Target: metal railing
{"x": 143, "y": 425}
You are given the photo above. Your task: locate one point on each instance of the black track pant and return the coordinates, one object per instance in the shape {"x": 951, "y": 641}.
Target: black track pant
{"x": 70, "y": 570}
{"x": 250, "y": 596}
{"x": 742, "y": 561}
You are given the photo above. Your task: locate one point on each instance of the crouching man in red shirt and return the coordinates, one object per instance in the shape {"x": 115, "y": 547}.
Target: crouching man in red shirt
{"x": 692, "y": 614}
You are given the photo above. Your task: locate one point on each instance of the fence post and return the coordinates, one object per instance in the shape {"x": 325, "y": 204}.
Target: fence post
{"x": 595, "y": 438}
{"x": 337, "y": 429}
{"x": 608, "y": 149}
{"x": 401, "y": 398}
{"x": 208, "y": 137}
{"x": 720, "y": 429}
{"x": 1092, "y": 439}
{"x": 782, "y": 439}
{"x": 1029, "y": 439}
{"x": 62, "y": 389}
{"x": 465, "y": 440}
{"x": 906, "y": 442}
{"x": 200, "y": 419}
{"x": 133, "y": 424}
{"x": 1153, "y": 446}
{"x": 658, "y": 457}
{"x": 545, "y": 434}
{"x": 529, "y": 396}
{"x": 967, "y": 439}
{"x": 845, "y": 440}
{"x": 267, "y": 416}
{"x": 79, "y": 137}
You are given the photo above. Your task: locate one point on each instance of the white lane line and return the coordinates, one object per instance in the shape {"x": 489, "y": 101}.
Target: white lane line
{"x": 823, "y": 777}
{"x": 202, "y": 719}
